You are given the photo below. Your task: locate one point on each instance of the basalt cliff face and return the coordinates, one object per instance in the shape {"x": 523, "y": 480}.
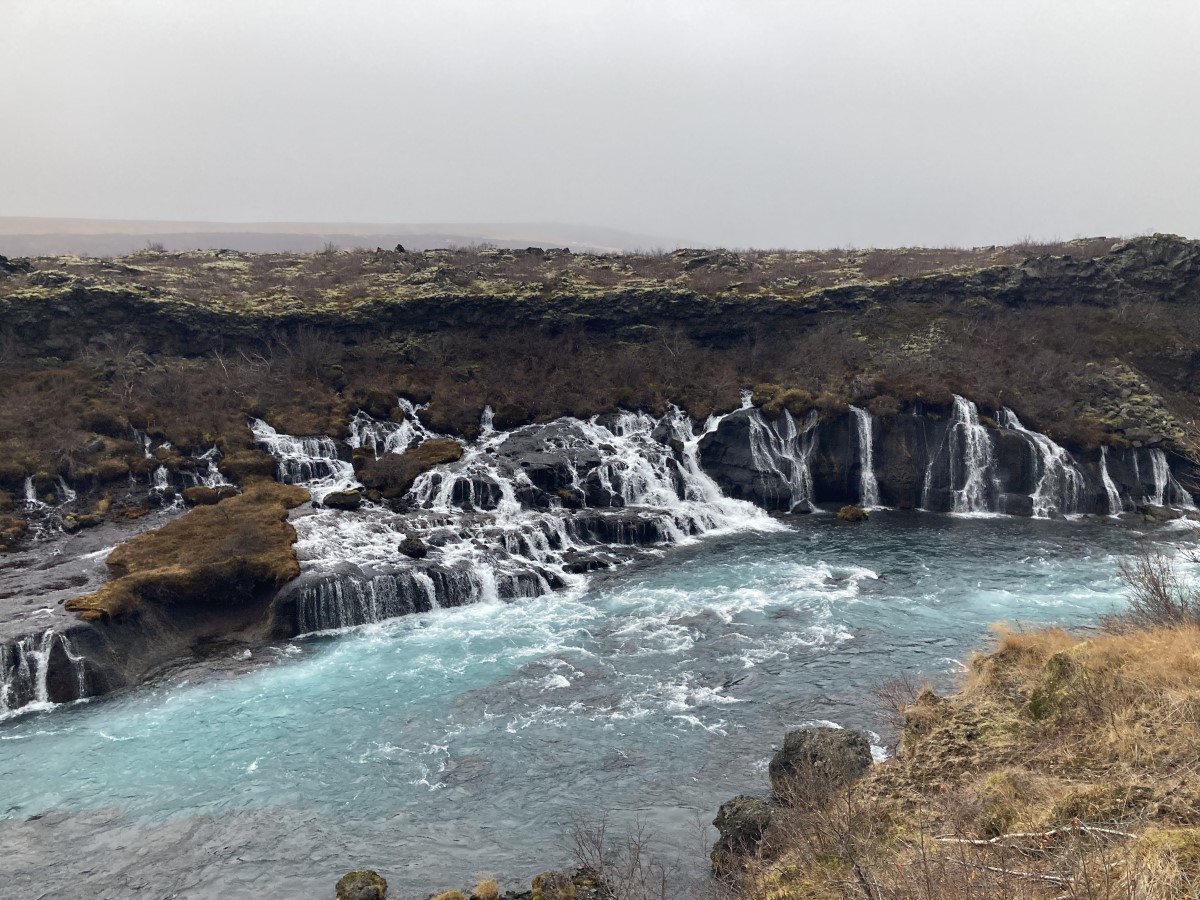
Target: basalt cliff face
{"x": 463, "y": 443}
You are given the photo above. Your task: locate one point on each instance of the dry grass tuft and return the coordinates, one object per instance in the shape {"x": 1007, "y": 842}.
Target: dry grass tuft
{"x": 210, "y": 556}
{"x": 1065, "y": 767}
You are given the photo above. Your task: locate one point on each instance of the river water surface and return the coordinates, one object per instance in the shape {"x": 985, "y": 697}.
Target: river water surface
{"x": 463, "y": 742}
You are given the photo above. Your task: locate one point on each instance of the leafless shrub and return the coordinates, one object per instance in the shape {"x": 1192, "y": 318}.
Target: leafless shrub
{"x": 624, "y": 864}
{"x": 1158, "y": 596}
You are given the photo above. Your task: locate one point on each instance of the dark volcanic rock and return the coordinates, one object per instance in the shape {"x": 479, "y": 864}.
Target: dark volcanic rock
{"x": 413, "y": 547}
{"x": 814, "y": 761}
{"x": 741, "y": 823}
{"x": 343, "y": 500}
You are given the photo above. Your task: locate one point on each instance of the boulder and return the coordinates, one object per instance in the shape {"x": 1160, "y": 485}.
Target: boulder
{"x": 1016, "y": 504}
{"x": 413, "y": 547}
{"x": 1160, "y": 513}
{"x": 815, "y": 761}
{"x": 362, "y": 884}
{"x": 852, "y": 514}
{"x": 741, "y": 823}
{"x": 342, "y": 500}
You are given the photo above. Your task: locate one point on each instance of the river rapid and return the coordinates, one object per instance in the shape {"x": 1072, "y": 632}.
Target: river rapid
{"x": 462, "y": 742}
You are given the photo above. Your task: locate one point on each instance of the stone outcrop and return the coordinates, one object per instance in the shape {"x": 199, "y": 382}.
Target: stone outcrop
{"x": 818, "y": 760}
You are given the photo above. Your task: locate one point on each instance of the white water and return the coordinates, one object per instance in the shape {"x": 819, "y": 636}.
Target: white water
{"x": 1114, "y": 496}
{"x": 486, "y": 544}
{"x": 967, "y": 451}
{"x": 1060, "y": 485}
{"x": 868, "y": 486}
{"x": 309, "y": 461}
{"x": 24, "y": 668}
{"x": 1167, "y": 491}
{"x": 160, "y": 481}
{"x": 30, "y": 498}
{"x": 783, "y": 450}
{"x": 389, "y": 437}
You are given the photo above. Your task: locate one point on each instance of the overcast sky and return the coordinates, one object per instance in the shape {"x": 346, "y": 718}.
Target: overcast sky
{"x": 740, "y": 122}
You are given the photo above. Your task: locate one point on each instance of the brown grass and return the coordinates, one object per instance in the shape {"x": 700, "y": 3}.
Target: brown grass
{"x": 1066, "y": 766}
{"x": 212, "y": 555}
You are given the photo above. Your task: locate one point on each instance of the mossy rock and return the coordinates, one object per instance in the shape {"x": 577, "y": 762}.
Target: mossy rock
{"x": 394, "y": 473}
{"x": 12, "y": 529}
{"x": 362, "y": 884}
{"x": 201, "y": 495}
{"x": 852, "y": 514}
{"x": 212, "y": 555}
{"x": 349, "y": 500}
{"x": 245, "y": 464}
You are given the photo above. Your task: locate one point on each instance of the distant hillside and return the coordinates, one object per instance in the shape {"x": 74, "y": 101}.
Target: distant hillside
{"x": 117, "y": 237}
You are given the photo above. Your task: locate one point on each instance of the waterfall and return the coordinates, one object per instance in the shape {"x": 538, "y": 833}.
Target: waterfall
{"x": 30, "y": 497}
{"x": 493, "y": 534}
{"x": 1060, "y": 484}
{"x": 1167, "y": 491}
{"x": 1114, "y": 496}
{"x": 311, "y": 462}
{"x": 389, "y": 437}
{"x": 25, "y": 671}
{"x": 212, "y": 476}
{"x": 781, "y": 452}
{"x": 159, "y": 480}
{"x": 967, "y": 448}
{"x": 868, "y": 487}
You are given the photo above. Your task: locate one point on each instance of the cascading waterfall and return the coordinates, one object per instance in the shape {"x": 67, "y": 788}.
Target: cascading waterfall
{"x": 1060, "y": 484}
{"x": 1110, "y": 488}
{"x": 312, "y": 462}
{"x": 160, "y": 481}
{"x": 968, "y": 454}
{"x": 783, "y": 450}
{"x": 1167, "y": 491}
{"x": 25, "y": 671}
{"x": 868, "y": 486}
{"x": 490, "y": 542}
{"x": 390, "y": 437}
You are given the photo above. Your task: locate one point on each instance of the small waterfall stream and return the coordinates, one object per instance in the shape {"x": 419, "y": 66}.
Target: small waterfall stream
{"x": 782, "y": 453}
{"x": 1167, "y": 491}
{"x": 868, "y": 486}
{"x": 313, "y": 462}
{"x": 1060, "y": 484}
{"x": 25, "y": 671}
{"x": 1110, "y": 489}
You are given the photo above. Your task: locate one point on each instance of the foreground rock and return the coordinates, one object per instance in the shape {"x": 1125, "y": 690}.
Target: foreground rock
{"x": 741, "y": 822}
{"x": 811, "y": 764}
{"x": 815, "y": 761}
{"x": 362, "y": 884}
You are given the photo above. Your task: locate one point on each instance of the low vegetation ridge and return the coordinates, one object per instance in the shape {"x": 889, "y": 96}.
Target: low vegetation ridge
{"x": 1089, "y": 342}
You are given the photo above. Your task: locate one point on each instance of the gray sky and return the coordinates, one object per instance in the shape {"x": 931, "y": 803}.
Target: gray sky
{"x": 806, "y": 123}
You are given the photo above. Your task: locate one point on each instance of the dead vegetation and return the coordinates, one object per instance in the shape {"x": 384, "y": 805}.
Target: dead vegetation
{"x": 1065, "y": 767}
{"x": 212, "y": 556}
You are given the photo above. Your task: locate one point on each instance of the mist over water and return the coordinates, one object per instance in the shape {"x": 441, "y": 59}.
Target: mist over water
{"x": 441, "y": 746}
